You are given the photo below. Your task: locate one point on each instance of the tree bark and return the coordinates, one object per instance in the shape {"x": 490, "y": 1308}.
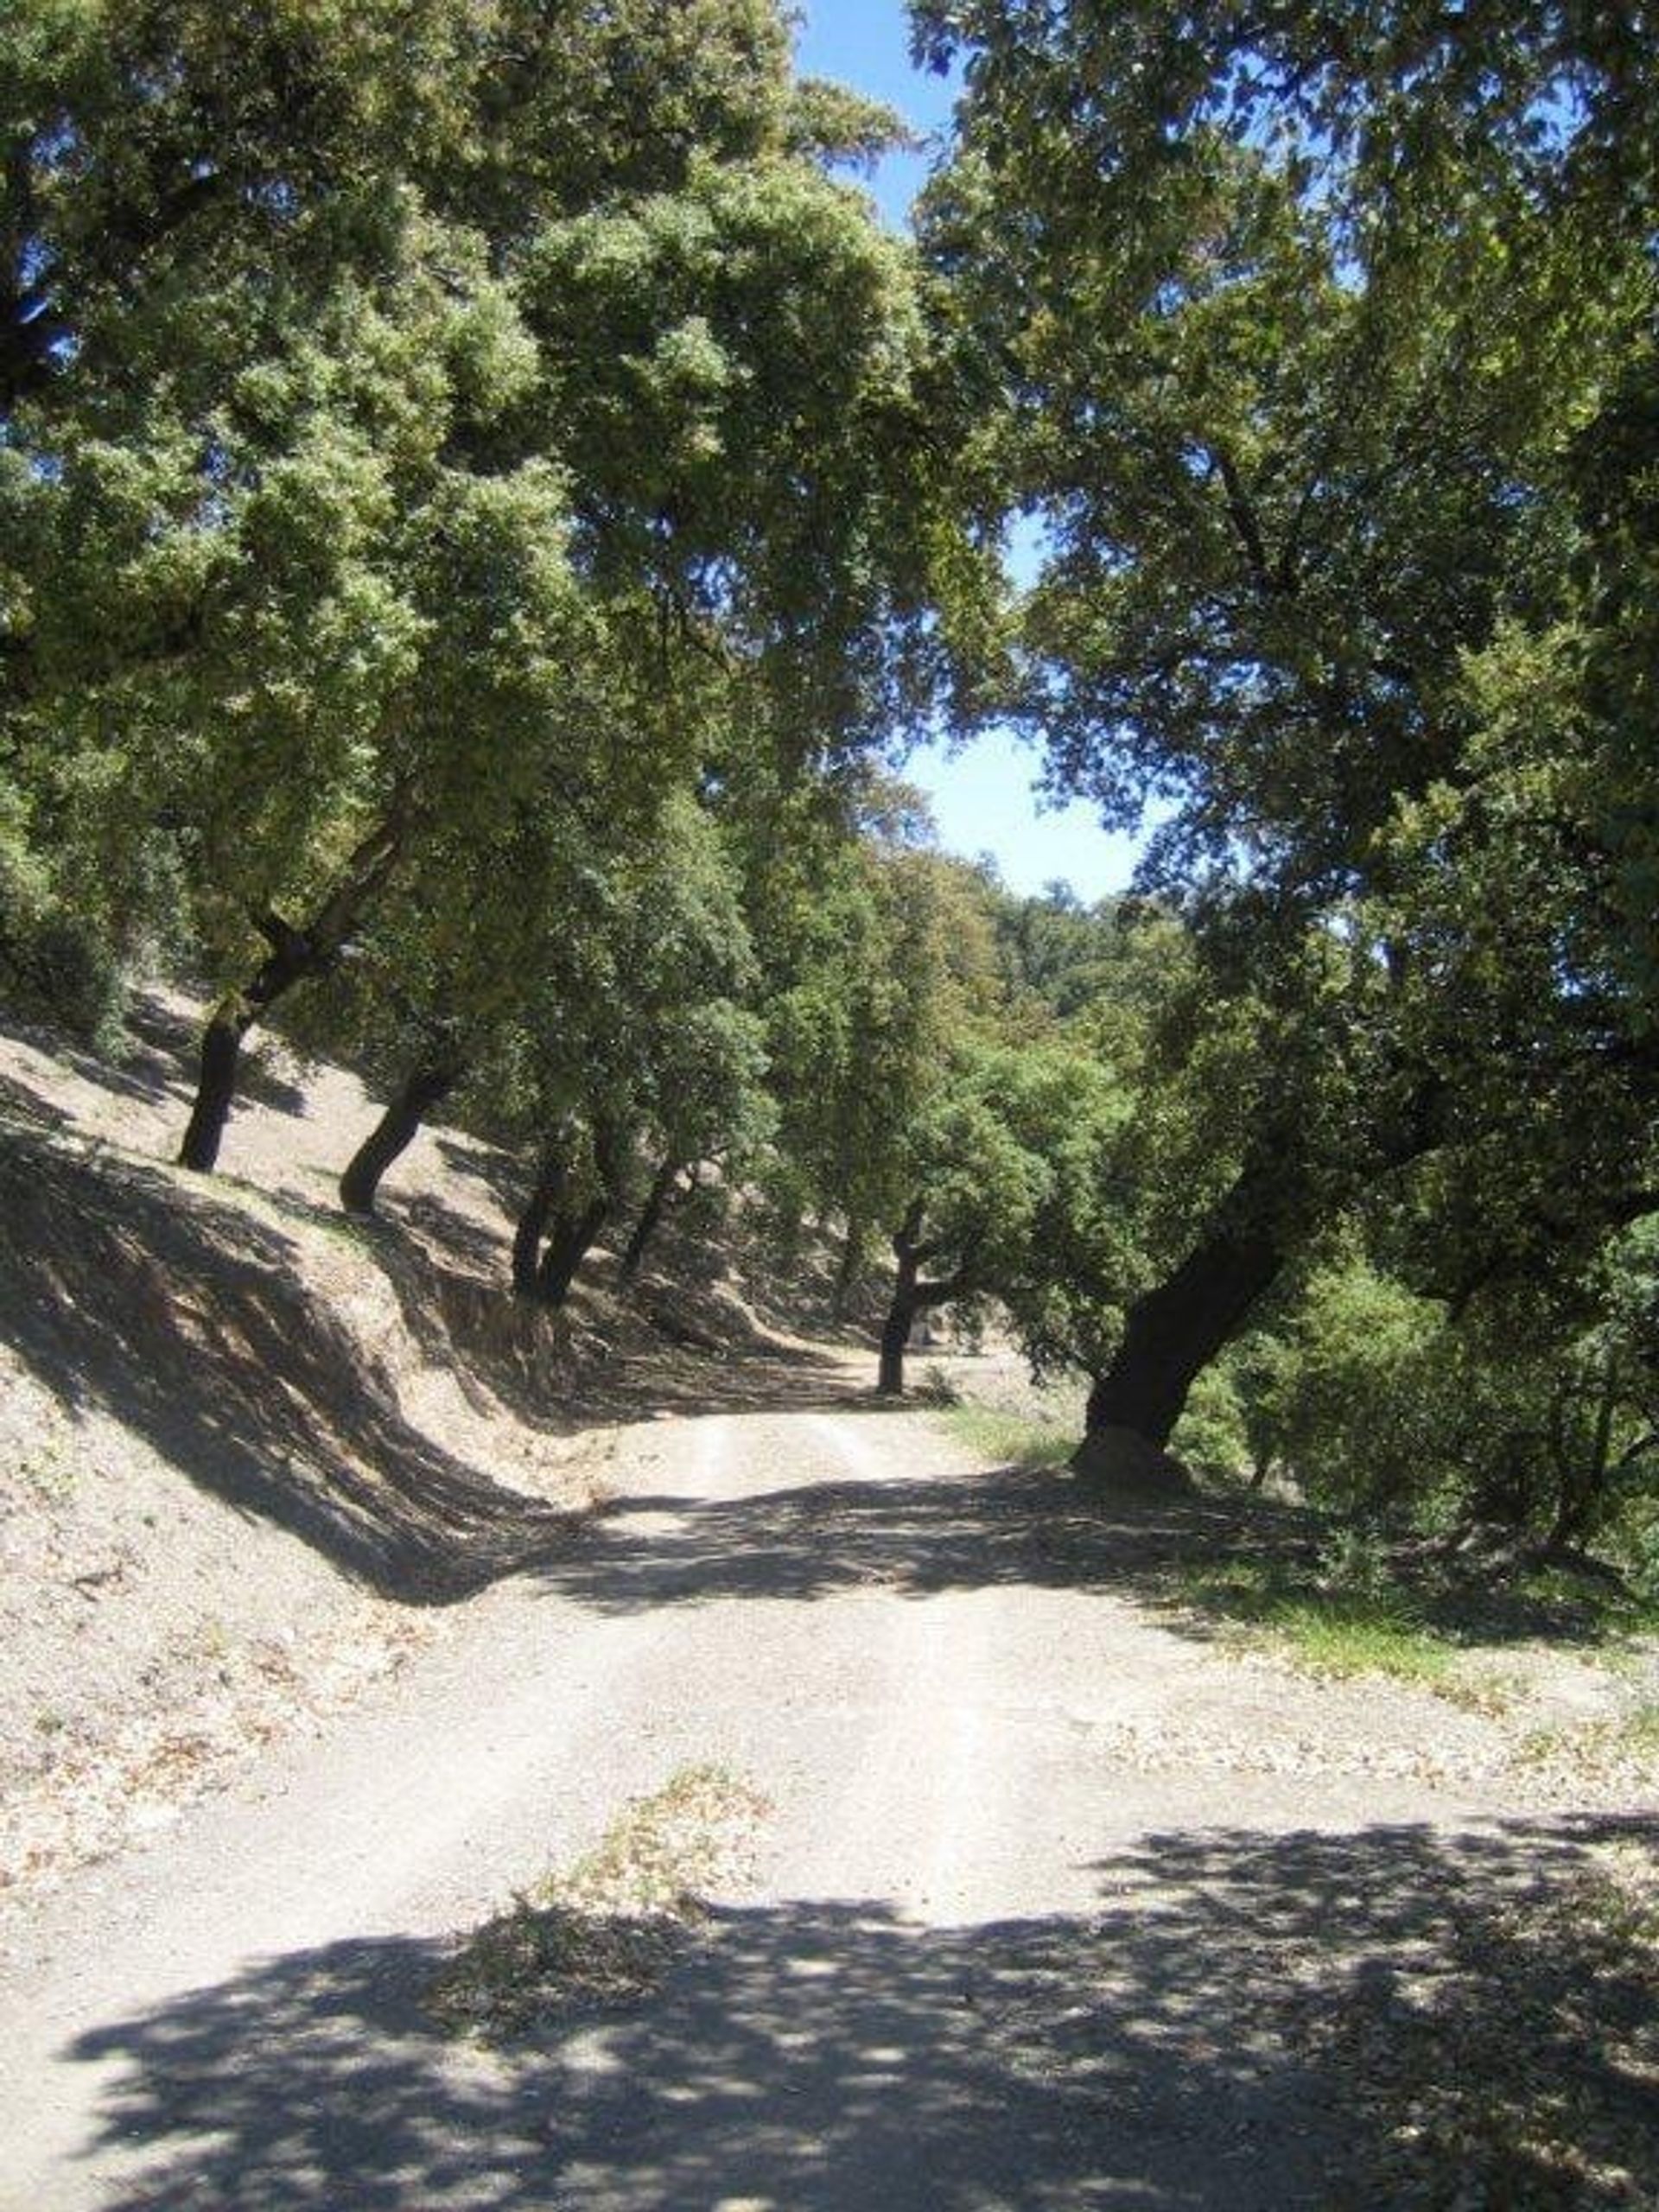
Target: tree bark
{"x": 221, "y": 1058}
{"x": 912, "y": 1296}
{"x": 1173, "y": 1332}
{"x": 650, "y": 1218}
{"x": 293, "y": 958}
{"x": 295, "y": 954}
{"x": 428, "y": 1085}
{"x": 573, "y": 1238}
{"x": 895, "y": 1333}
{"x": 571, "y": 1232}
{"x": 532, "y": 1223}
{"x": 1177, "y": 1329}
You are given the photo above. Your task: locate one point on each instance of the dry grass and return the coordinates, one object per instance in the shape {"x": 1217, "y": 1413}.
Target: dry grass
{"x": 1516, "y": 2071}
{"x": 1624, "y": 1747}
{"x": 605, "y": 1931}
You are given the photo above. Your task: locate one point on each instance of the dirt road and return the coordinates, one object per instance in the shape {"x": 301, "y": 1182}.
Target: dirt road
{"x": 1039, "y": 1881}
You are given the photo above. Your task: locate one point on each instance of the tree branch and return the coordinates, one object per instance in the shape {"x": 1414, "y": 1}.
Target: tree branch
{"x": 1242, "y": 515}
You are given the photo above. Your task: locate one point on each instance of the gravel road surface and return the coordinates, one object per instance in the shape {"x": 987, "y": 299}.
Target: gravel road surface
{"x": 996, "y": 1952}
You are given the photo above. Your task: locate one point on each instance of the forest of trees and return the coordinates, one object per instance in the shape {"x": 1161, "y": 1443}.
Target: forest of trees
{"x": 484, "y": 506}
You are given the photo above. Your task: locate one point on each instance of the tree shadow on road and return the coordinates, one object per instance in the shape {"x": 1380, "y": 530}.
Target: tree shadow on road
{"x": 1207, "y": 1563}
{"x": 918, "y": 1536}
{"x": 1240, "y": 2024}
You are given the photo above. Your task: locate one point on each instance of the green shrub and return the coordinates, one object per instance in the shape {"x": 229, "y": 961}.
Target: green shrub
{"x": 55, "y": 967}
{"x": 1211, "y": 1437}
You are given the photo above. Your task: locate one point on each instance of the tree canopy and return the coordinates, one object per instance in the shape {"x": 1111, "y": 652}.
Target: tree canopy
{"x": 485, "y": 504}
{"x": 1306, "y": 333}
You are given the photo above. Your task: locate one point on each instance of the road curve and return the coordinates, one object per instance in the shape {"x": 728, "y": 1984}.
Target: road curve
{"x": 990, "y": 1962}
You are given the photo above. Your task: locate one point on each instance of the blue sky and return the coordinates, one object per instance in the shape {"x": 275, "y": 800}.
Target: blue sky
{"x": 867, "y": 43}
{"x": 984, "y": 799}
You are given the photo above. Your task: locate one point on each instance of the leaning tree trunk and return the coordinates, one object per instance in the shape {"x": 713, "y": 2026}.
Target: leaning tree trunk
{"x": 650, "y": 1218}
{"x": 912, "y": 1296}
{"x": 1175, "y": 1330}
{"x": 221, "y": 1060}
{"x": 1172, "y": 1333}
{"x": 533, "y": 1224}
{"x": 427, "y": 1087}
{"x": 295, "y": 954}
{"x": 571, "y": 1233}
{"x": 293, "y": 958}
{"x": 573, "y": 1238}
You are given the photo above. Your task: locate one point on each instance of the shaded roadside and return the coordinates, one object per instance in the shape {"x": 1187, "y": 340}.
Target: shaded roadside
{"x": 1248, "y": 2020}
{"x": 194, "y": 1324}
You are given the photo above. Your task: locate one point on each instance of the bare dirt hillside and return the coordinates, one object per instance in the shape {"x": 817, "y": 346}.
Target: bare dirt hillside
{"x": 249, "y": 1451}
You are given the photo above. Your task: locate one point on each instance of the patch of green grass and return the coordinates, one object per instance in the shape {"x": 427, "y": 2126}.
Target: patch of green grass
{"x": 1011, "y": 1439}
{"x": 1239, "y": 1589}
{"x": 1346, "y": 1634}
{"x": 1336, "y": 1633}
{"x": 604, "y": 1930}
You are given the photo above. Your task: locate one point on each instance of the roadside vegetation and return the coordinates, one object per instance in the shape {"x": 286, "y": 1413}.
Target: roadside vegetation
{"x": 1335, "y": 1632}
{"x": 1010, "y": 1439}
{"x": 603, "y": 1932}
{"x": 1548, "y": 2000}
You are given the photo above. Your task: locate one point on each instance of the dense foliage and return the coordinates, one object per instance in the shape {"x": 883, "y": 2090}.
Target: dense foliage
{"x": 481, "y": 496}
{"x": 1325, "y": 341}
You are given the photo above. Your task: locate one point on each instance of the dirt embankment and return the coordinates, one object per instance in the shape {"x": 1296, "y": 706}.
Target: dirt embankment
{"x": 249, "y": 1450}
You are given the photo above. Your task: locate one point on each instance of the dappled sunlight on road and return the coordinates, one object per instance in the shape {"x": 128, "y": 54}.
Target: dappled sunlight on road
{"x": 915, "y": 1534}
{"x": 1177, "y": 2047}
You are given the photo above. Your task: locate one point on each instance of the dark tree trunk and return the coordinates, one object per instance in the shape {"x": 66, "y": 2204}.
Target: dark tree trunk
{"x": 533, "y": 1224}
{"x": 650, "y": 1218}
{"x": 221, "y": 1058}
{"x": 429, "y": 1085}
{"x": 1175, "y": 1330}
{"x": 295, "y": 956}
{"x": 895, "y": 1332}
{"x": 571, "y": 1232}
{"x": 912, "y": 1296}
{"x": 907, "y": 1302}
{"x": 573, "y": 1238}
